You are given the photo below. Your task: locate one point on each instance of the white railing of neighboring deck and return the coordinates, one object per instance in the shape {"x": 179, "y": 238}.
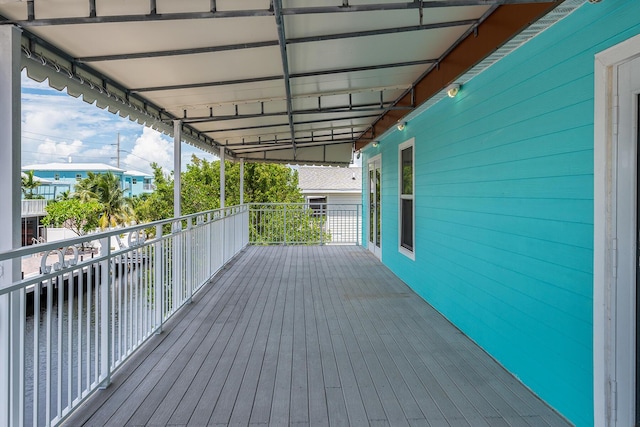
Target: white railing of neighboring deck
{"x": 304, "y": 223}
{"x": 76, "y": 321}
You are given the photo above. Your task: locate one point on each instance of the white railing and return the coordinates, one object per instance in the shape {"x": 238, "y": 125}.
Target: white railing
{"x": 70, "y": 326}
{"x": 304, "y": 223}
{"x": 34, "y": 207}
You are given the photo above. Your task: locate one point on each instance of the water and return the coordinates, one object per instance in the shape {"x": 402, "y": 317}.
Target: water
{"x": 66, "y": 323}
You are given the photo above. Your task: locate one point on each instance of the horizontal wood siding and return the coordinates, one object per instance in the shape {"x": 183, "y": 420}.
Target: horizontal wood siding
{"x": 504, "y": 205}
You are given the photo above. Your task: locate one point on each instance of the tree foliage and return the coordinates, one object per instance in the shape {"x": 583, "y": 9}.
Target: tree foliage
{"x": 29, "y": 185}
{"x": 264, "y": 183}
{"x": 74, "y": 214}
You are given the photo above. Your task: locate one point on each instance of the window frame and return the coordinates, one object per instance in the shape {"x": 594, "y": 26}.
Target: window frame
{"x": 410, "y": 143}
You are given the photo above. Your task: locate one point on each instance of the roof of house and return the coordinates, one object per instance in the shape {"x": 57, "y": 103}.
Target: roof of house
{"x": 136, "y": 173}
{"x": 37, "y": 179}
{"x": 102, "y": 167}
{"x": 318, "y": 178}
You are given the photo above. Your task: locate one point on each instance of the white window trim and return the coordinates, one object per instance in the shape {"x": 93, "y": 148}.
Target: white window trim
{"x": 404, "y": 251}
{"x": 604, "y": 373}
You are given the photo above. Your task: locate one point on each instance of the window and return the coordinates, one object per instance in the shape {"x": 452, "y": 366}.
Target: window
{"x": 406, "y": 191}
{"x": 318, "y": 205}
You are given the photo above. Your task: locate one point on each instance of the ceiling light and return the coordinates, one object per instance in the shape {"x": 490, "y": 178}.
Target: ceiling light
{"x": 453, "y": 90}
{"x": 402, "y": 125}
{"x": 375, "y": 144}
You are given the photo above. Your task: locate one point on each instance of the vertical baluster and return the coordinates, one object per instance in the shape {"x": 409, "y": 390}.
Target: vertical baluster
{"x": 37, "y": 289}
{"x": 106, "y": 314}
{"x": 80, "y": 330}
{"x": 60, "y": 352}
{"x": 70, "y": 282}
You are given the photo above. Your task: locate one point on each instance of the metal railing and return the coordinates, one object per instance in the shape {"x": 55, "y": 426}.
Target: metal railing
{"x": 34, "y": 207}
{"x": 304, "y": 223}
{"x": 71, "y": 325}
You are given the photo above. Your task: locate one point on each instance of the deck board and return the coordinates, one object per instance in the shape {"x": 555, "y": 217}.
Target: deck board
{"x": 311, "y": 336}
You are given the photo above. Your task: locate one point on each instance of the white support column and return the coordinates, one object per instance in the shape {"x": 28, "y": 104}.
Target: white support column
{"x": 11, "y": 305}
{"x": 222, "y": 195}
{"x": 242, "y": 181}
{"x": 177, "y": 166}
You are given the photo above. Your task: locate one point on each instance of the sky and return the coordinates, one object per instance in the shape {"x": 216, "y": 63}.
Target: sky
{"x": 58, "y": 128}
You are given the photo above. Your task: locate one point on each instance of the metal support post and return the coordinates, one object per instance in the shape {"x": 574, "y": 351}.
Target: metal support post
{"x": 242, "y": 181}
{"x": 222, "y": 182}
{"x": 177, "y": 166}
{"x": 11, "y": 304}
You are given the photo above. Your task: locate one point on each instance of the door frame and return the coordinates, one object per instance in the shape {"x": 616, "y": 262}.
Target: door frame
{"x": 378, "y": 253}
{"x": 612, "y": 405}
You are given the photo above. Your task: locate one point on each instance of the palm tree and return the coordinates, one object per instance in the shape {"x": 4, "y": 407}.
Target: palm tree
{"x": 29, "y": 184}
{"x": 110, "y": 194}
{"x": 105, "y": 189}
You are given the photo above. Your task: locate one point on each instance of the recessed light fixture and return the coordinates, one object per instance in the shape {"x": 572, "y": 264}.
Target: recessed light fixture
{"x": 375, "y": 144}
{"x": 453, "y": 90}
{"x": 402, "y": 125}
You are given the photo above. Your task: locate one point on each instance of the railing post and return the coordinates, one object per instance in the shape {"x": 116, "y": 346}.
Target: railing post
{"x": 189, "y": 262}
{"x": 358, "y": 231}
{"x": 105, "y": 313}
{"x": 176, "y": 264}
{"x": 285, "y": 225}
{"x": 159, "y": 260}
{"x": 323, "y": 214}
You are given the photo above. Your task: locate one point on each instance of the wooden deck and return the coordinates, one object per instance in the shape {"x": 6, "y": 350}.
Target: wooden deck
{"x": 312, "y": 336}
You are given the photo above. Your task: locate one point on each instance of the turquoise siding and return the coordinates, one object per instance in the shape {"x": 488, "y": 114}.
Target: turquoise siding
{"x": 504, "y": 205}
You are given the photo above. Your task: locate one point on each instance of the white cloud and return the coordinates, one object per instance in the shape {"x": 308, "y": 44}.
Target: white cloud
{"x": 150, "y": 147}
{"x": 56, "y": 126}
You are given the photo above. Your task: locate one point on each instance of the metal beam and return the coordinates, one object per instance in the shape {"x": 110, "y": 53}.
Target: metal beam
{"x": 282, "y": 38}
{"x": 291, "y": 76}
{"x": 177, "y": 52}
{"x": 277, "y": 147}
{"x": 330, "y": 110}
{"x": 299, "y": 140}
{"x": 269, "y": 43}
{"x": 259, "y": 12}
{"x": 382, "y": 31}
{"x": 304, "y": 122}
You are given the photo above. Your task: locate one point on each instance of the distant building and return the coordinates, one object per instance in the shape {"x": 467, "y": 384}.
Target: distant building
{"x": 136, "y": 183}
{"x": 337, "y": 193}
{"x": 61, "y": 177}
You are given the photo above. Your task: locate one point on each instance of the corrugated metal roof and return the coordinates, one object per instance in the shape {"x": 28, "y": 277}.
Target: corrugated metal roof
{"x": 329, "y": 179}
{"x": 273, "y": 81}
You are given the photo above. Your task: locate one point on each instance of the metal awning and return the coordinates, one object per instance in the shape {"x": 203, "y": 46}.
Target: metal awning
{"x": 279, "y": 81}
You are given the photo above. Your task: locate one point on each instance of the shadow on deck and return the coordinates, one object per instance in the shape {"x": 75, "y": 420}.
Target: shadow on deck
{"x": 312, "y": 336}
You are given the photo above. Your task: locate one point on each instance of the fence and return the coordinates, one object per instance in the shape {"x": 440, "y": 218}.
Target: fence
{"x": 34, "y": 207}
{"x": 304, "y": 224}
{"x": 73, "y": 324}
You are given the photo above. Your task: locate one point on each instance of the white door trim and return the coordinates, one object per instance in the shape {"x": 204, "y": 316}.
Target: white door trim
{"x": 605, "y": 253}
{"x": 375, "y": 159}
